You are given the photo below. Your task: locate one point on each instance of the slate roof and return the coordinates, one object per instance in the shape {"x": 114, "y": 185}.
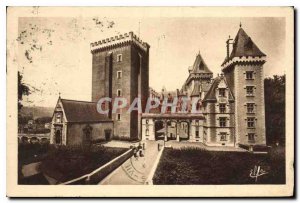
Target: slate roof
{"x": 205, "y": 86}
{"x": 196, "y": 91}
{"x": 82, "y": 111}
{"x": 211, "y": 94}
{"x": 200, "y": 66}
{"x": 243, "y": 46}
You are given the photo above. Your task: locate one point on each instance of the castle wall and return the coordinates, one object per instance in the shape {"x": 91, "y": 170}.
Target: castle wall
{"x": 242, "y": 99}
{"x": 212, "y": 129}
{"x": 134, "y": 82}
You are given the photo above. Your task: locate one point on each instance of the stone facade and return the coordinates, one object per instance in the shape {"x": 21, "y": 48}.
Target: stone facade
{"x": 121, "y": 69}
{"x": 231, "y": 106}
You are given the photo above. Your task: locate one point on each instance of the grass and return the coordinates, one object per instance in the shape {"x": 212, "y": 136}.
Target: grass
{"x": 66, "y": 163}
{"x": 197, "y": 166}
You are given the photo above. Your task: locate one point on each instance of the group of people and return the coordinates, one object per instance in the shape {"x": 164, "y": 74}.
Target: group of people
{"x": 139, "y": 151}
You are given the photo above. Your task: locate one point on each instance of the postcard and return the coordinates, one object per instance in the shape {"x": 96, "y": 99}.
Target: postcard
{"x": 150, "y": 101}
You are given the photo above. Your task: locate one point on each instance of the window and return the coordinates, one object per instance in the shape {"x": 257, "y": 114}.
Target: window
{"x": 119, "y": 74}
{"x": 251, "y": 137}
{"x": 249, "y": 90}
{"x": 249, "y": 75}
{"x": 222, "y": 121}
{"x": 118, "y": 116}
{"x": 222, "y": 108}
{"x": 119, "y": 92}
{"x": 250, "y": 108}
{"x": 250, "y": 122}
{"x": 147, "y": 132}
{"x": 119, "y": 57}
{"x": 222, "y": 92}
{"x": 197, "y": 132}
{"x": 223, "y": 136}
{"x": 147, "y": 121}
{"x": 58, "y": 118}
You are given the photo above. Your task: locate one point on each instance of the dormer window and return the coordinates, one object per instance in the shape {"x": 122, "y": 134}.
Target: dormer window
{"x": 222, "y": 92}
{"x": 58, "y": 118}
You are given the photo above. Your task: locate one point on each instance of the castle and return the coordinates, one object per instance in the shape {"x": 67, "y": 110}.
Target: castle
{"x": 230, "y": 107}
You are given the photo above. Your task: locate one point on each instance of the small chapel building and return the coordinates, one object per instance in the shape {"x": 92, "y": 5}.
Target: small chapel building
{"x": 78, "y": 122}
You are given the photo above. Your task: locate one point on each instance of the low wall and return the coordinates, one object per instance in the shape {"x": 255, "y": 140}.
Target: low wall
{"x": 97, "y": 175}
{"x": 149, "y": 180}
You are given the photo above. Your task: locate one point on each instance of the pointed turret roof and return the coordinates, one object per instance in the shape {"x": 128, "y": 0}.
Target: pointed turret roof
{"x": 244, "y": 46}
{"x": 200, "y": 66}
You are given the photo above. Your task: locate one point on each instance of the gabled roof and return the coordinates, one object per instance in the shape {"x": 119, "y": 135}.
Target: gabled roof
{"x": 211, "y": 94}
{"x": 200, "y": 66}
{"x": 244, "y": 46}
{"x": 82, "y": 111}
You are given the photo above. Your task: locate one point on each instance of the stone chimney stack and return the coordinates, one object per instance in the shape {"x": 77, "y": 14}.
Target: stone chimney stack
{"x": 228, "y": 43}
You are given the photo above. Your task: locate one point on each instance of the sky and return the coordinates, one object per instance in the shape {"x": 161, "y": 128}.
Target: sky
{"x": 54, "y": 52}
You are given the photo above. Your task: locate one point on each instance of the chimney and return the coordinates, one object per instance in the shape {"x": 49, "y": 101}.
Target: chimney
{"x": 228, "y": 43}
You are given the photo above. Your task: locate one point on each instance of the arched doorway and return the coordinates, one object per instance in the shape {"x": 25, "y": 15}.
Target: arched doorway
{"x": 58, "y": 137}
{"x": 159, "y": 130}
{"x": 172, "y": 129}
{"x": 184, "y": 130}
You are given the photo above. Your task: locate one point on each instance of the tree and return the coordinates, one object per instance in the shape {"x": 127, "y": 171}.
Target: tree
{"x": 23, "y": 90}
{"x": 275, "y": 109}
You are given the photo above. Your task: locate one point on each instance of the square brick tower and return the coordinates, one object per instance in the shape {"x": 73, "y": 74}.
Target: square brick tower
{"x": 120, "y": 68}
{"x": 244, "y": 72}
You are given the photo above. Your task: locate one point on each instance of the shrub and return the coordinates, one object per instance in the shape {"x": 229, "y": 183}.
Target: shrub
{"x": 124, "y": 138}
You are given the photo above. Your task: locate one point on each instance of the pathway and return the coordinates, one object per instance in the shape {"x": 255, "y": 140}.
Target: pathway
{"x": 135, "y": 170}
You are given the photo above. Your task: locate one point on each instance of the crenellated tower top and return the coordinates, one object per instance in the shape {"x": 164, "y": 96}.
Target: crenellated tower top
{"x": 119, "y": 40}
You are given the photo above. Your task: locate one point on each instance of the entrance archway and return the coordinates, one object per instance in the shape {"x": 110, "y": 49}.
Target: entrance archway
{"x": 159, "y": 129}
{"x": 172, "y": 129}
{"x": 184, "y": 130}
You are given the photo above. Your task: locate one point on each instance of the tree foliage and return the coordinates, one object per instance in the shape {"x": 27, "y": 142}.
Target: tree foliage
{"x": 23, "y": 90}
{"x": 275, "y": 109}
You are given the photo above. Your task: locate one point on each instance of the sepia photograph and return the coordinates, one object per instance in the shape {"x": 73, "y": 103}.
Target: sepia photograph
{"x": 170, "y": 102}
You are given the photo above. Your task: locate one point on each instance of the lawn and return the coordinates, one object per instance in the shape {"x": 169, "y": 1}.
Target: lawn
{"x": 196, "y": 166}
{"x": 65, "y": 163}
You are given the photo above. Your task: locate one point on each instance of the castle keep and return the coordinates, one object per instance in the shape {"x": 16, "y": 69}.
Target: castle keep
{"x": 121, "y": 69}
{"x": 230, "y": 107}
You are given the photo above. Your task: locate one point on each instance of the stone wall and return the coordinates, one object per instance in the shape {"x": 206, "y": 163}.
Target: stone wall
{"x": 241, "y": 104}
{"x": 76, "y": 134}
{"x": 134, "y": 82}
